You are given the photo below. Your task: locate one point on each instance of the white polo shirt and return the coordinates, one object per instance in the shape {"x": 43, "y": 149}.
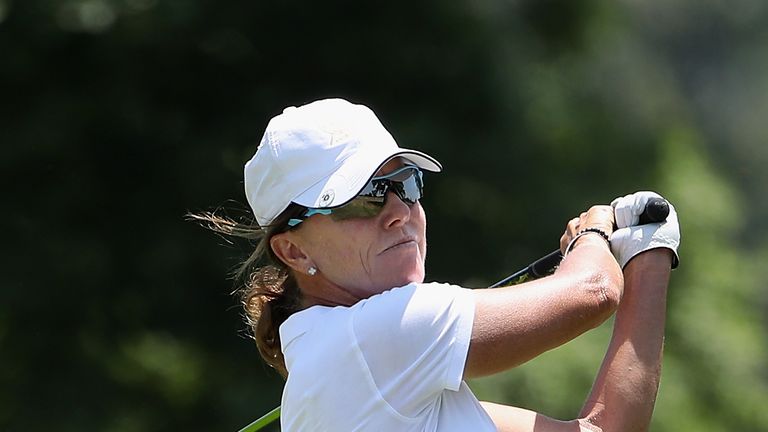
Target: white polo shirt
{"x": 392, "y": 362}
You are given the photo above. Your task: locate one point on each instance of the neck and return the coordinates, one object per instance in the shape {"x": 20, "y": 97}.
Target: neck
{"x": 316, "y": 290}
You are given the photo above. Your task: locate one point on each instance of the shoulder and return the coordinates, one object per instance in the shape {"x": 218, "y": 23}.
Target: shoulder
{"x": 414, "y": 341}
{"x": 416, "y": 292}
{"x": 413, "y": 301}
{"x": 416, "y": 313}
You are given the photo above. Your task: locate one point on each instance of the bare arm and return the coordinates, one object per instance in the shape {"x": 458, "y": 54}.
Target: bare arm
{"x": 624, "y": 392}
{"x": 515, "y": 324}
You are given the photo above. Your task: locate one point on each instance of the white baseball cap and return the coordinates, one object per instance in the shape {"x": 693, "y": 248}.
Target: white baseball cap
{"x": 320, "y": 155}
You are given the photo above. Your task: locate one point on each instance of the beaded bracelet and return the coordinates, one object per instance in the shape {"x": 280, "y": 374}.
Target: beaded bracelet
{"x": 586, "y": 231}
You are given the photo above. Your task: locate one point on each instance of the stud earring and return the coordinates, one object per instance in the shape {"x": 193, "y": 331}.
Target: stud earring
{"x": 312, "y": 271}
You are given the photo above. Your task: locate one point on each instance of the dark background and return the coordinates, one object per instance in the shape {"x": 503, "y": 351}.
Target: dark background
{"x": 119, "y": 116}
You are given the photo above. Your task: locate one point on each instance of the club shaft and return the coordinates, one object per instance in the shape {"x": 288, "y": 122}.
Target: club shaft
{"x": 263, "y": 421}
{"x": 656, "y": 210}
{"x": 539, "y": 268}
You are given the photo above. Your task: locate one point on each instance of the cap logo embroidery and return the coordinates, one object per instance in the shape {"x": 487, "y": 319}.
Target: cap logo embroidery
{"x": 338, "y": 133}
{"x": 327, "y": 197}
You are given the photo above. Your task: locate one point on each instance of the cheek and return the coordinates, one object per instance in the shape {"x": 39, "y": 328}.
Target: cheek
{"x": 422, "y": 219}
{"x": 401, "y": 268}
{"x": 342, "y": 253}
{"x": 339, "y": 254}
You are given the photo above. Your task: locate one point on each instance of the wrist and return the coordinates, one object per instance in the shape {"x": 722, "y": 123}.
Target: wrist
{"x": 659, "y": 257}
{"x": 592, "y": 233}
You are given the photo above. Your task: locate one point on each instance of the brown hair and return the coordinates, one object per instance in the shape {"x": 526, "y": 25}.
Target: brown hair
{"x": 266, "y": 286}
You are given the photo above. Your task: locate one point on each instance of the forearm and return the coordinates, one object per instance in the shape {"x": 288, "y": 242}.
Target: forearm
{"x": 515, "y": 324}
{"x": 624, "y": 392}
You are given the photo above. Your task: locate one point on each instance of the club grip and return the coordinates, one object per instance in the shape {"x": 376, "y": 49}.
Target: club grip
{"x": 656, "y": 210}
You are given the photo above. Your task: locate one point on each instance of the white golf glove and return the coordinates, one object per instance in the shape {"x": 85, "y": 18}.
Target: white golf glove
{"x": 631, "y": 239}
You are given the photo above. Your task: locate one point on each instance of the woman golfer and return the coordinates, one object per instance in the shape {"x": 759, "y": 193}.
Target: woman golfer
{"x": 342, "y": 311}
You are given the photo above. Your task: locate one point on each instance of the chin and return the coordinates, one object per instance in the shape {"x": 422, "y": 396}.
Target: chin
{"x": 405, "y": 278}
{"x": 395, "y": 279}
{"x": 401, "y": 269}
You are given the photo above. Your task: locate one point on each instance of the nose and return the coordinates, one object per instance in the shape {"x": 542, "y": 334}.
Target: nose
{"x": 396, "y": 212}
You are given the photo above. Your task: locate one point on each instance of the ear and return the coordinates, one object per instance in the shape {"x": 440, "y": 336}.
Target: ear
{"x": 290, "y": 252}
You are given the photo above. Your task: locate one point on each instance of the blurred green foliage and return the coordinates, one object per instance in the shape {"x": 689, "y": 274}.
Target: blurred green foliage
{"x": 118, "y": 116}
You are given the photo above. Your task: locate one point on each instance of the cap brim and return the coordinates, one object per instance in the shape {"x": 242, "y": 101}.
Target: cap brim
{"x": 354, "y": 173}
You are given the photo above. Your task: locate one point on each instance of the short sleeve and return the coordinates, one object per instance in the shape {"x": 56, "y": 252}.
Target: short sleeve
{"x": 415, "y": 340}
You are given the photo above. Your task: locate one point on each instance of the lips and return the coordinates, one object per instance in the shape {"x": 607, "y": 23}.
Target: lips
{"x": 403, "y": 241}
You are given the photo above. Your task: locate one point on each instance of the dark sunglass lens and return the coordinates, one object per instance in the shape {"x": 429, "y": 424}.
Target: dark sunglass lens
{"x": 375, "y": 189}
{"x": 405, "y": 182}
{"x": 411, "y": 189}
{"x": 360, "y": 207}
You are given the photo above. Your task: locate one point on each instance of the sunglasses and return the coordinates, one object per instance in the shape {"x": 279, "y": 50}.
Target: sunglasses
{"x": 406, "y": 183}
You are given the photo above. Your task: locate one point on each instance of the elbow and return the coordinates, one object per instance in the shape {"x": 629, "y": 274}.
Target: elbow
{"x": 603, "y": 289}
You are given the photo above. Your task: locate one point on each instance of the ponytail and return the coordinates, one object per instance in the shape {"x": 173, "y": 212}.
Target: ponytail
{"x": 266, "y": 286}
{"x": 269, "y": 298}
